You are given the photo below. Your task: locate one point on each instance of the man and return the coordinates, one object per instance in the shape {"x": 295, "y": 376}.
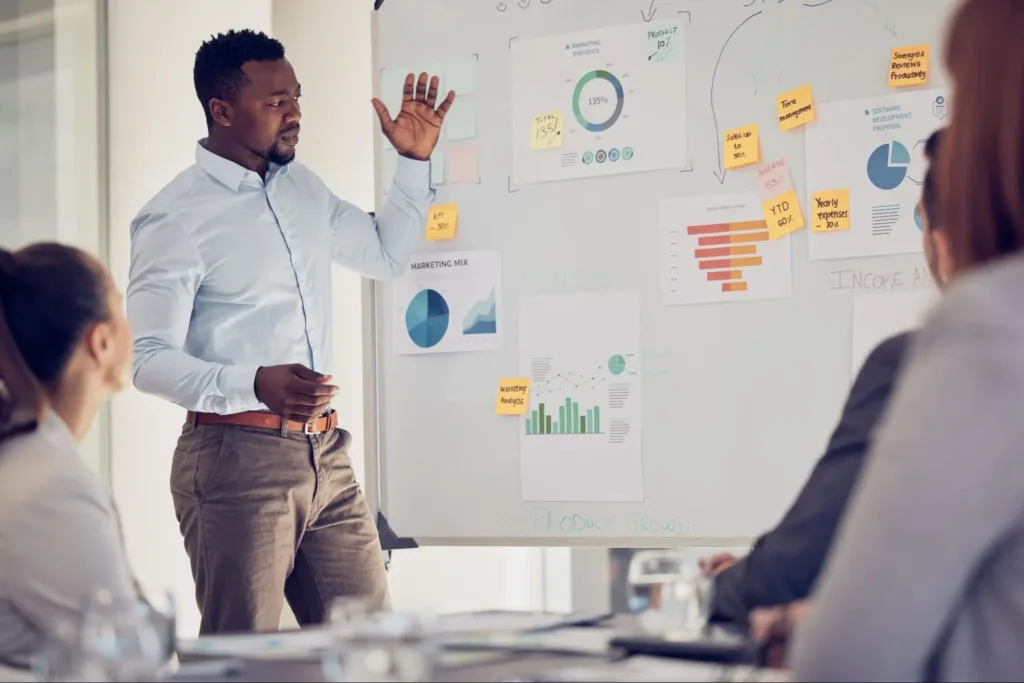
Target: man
{"x": 785, "y": 563}
{"x": 230, "y": 299}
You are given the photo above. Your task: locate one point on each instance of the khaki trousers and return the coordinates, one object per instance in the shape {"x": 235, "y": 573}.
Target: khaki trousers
{"x": 267, "y": 516}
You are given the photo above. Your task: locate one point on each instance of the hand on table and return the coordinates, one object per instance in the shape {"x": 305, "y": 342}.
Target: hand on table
{"x": 772, "y": 628}
{"x": 294, "y": 391}
{"x": 416, "y": 129}
{"x": 716, "y": 564}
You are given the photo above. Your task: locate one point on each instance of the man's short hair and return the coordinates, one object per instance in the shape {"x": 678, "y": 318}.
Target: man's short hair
{"x": 218, "y": 67}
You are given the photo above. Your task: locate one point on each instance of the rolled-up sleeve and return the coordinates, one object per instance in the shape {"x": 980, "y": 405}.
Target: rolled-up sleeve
{"x": 380, "y": 247}
{"x": 942, "y": 486}
{"x": 166, "y": 271}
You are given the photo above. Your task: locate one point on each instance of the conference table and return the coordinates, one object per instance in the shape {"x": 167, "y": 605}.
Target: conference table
{"x": 569, "y": 653}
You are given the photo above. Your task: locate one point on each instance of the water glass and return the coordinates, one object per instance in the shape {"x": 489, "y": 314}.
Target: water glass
{"x": 681, "y": 593}
{"x": 384, "y": 647}
{"x": 118, "y": 640}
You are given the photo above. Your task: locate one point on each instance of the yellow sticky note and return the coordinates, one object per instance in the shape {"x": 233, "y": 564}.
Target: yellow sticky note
{"x": 547, "y": 131}
{"x": 742, "y": 146}
{"x": 442, "y": 220}
{"x": 513, "y": 393}
{"x": 796, "y": 107}
{"x": 830, "y": 211}
{"x": 783, "y": 215}
{"x": 909, "y": 66}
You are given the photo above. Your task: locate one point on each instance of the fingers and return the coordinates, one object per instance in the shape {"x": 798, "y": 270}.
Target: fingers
{"x": 421, "y": 87}
{"x": 383, "y": 114}
{"x": 432, "y": 92}
{"x": 304, "y": 413}
{"x": 302, "y": 372}
{"x": 314, "y": 389}
{"x": 407, "y": 90}
{"x": 446, "y": 105}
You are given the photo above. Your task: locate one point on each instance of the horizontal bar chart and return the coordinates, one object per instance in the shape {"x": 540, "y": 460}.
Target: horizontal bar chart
{"x": 732, "y": 239}
{"x": 731, "y": 263}
{"x": 724, "y": 248}
{"x": 726, "y": 251}
{"x": 742, "y": 226}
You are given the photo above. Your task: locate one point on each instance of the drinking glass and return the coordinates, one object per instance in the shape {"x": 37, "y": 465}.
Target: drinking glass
{"x": 118, "y": 640}
{"x": 384, "y": 647}
{"x": 680, "y": 592}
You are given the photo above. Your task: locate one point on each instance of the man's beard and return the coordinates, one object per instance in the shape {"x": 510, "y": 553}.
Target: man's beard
{"x": 280, "y": 158}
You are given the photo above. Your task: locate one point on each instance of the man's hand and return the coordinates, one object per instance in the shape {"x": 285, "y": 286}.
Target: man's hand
{"x": 772, "y": 629}
{"x": 414, "y": 132}
{"x": 294, "y": 391}
{"x": 716, "y": 564}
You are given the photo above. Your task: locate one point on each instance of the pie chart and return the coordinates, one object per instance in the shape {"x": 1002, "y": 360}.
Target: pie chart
{"x": 426, "y": 318}
{"x": 887, "y": 165}
{"x": 616, "y": 364}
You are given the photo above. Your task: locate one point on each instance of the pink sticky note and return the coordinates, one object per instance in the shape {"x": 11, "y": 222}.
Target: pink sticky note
{"x": 462, "y": 162}
{"x": 773, "y": 179}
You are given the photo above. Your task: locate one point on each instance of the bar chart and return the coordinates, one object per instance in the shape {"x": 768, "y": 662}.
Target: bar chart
{"x": 570, "y": 420}
{"x": 717, "y": 249}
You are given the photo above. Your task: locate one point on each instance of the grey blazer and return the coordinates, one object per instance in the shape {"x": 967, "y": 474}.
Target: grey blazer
{"x": 59, "y": 538}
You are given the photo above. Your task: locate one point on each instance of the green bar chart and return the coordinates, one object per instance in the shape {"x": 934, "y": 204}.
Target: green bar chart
{"x": 570, "y": 421}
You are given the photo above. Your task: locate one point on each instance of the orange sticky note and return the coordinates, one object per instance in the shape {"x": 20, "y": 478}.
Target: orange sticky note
{"x": 796, "y": 107}
{"x": 783, "y": 215}
{"x": 830, "y": 211}
{"x": 742, "y": 146}
{"x": 547, "y": 131}
{"x": 442, "y": 220}
{"x": 513, "y": 394}
{"x": 909, "y": 66}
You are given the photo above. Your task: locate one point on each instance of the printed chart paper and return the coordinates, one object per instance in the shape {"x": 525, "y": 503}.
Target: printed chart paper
{"x": 875, "y": 148}
{"x": 581, "y": 439}
{"x": 876, "y": 317}
{"x": 716, "y": 249}
{"x": 624, "y": 107}
{"x": 448, "y": 302}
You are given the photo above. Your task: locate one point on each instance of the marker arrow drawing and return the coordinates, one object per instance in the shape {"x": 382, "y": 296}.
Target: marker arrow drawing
{"x": 720, "y": 173}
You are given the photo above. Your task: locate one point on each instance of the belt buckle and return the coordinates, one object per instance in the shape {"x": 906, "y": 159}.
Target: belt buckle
{"x": 307, "y": 428}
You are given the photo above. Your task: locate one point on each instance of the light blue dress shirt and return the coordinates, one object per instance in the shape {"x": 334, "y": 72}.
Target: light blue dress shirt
{"x": 230, "y": 272}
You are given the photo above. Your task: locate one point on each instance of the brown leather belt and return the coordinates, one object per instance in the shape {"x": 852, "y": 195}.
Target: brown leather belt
{"x": 324, "y": 423}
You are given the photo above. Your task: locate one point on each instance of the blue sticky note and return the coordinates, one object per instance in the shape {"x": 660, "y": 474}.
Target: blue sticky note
{"x": 461, "y": 75}
{"x": 392, "y": 83}
{"x": 460, "y": 121}
{"x": 437, "y": 166}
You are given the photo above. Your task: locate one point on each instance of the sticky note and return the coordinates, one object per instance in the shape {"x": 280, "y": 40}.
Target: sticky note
{"x": 460, "y": 75}
{"x": 796, "y": 107}
{"x": 462, "y": 162}
{"x": 460, "y": 121}
{"x": 442, "y": 221}
{"x": 513, "y": 393}
{"x": 742, "y": 146}
{"x": 830, "y": 210}
{"x": 783, "y": 215}
{"x": 437, "y": 159}
{"x": 547, "y": 131}
{"x": 664, "y": 42}
{"x": 909, "y": 66}
{"x": 773, "y": 179}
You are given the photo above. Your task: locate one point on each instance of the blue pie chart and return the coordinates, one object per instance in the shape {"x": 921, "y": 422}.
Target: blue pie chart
{"x": 887, "y": 166}
{"x": 426, "y": 318}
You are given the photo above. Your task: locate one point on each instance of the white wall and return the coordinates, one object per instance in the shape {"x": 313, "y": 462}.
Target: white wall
{"x": 154, "y": 123}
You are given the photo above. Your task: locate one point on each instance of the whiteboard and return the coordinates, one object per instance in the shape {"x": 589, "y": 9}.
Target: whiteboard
{"x": 739, "y": 398}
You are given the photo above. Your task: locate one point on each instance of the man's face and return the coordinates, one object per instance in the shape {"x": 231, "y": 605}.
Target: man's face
{"x": 265, "y": 119}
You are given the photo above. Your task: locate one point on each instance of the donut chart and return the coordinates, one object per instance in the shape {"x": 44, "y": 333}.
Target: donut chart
{"x": 597, "y": 126}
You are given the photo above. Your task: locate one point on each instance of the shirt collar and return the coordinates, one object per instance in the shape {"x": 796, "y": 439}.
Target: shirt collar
{"x": 230, "y": 174}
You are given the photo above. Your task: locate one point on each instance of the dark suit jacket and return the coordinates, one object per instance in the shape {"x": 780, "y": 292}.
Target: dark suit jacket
{"x": 784, "y": 563}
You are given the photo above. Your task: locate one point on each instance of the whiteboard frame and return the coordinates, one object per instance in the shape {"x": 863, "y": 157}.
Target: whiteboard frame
{"x": 374, "y": 397}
